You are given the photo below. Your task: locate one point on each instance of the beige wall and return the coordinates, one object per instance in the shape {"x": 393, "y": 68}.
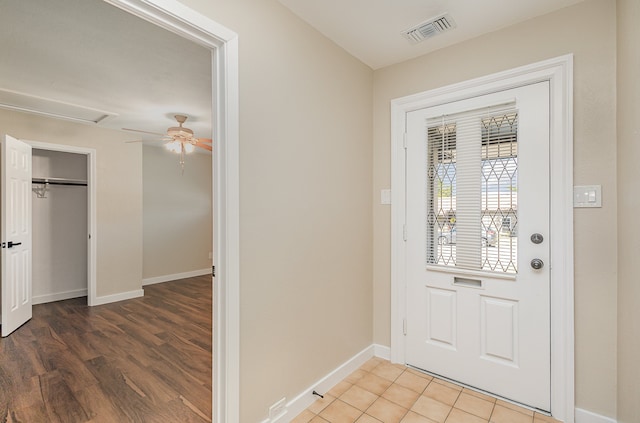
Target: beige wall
{"x": 119, "y": 193}
{"x": 628, "y": 206}
{"x": 589, "y": 31}
{"x": 177, "y": 220}
{"x": 305, "y": 202}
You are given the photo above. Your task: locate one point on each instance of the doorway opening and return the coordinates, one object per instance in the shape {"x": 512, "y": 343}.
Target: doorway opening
{"x": 60, "y": 230}
{"x": 223, "y": 46}
{"x": 71, "y": 173}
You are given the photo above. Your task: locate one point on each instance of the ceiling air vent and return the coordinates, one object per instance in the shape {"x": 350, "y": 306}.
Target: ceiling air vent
{"x": 430, "y": 28}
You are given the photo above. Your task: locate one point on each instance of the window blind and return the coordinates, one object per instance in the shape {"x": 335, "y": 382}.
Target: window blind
{"x": 472, "y": 188}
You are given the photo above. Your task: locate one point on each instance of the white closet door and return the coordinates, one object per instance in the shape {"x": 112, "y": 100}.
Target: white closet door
{"x": 15, "y": 226}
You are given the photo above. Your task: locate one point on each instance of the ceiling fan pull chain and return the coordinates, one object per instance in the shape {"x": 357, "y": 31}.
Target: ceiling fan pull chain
{"x": 182, "y": 157}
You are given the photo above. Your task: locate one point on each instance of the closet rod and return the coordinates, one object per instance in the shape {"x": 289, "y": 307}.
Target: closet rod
{"x": 59, "y": 181}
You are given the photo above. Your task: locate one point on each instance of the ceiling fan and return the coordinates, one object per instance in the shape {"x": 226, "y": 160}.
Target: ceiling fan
{"x": 179, "y": 139}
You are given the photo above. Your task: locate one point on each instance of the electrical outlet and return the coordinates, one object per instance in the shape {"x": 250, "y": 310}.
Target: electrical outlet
{"x": 278, "y": 409}
{"x": 210, "y": 255}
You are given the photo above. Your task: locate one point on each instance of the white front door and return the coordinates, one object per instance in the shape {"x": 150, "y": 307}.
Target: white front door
{"x": 15, "y": 233}
{"x": 477, "y": 249}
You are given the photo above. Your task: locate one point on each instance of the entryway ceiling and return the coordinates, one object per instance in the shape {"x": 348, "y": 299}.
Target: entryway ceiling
{"x": 87, "y": 57}
{"x": 371, "y": 30}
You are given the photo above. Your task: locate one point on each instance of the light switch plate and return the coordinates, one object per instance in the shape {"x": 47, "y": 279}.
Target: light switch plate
{"x": 587, "y": 196}
{"x": 385, "y": 196}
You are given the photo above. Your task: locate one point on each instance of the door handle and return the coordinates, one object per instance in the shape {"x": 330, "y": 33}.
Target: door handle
{"x": 13, "y": 244}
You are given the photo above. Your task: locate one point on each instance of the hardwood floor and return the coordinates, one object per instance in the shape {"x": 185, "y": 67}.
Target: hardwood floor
{"x": 141, "y": 360}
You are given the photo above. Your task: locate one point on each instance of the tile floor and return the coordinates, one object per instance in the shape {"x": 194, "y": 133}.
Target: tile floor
{"x": 389, "y": 393}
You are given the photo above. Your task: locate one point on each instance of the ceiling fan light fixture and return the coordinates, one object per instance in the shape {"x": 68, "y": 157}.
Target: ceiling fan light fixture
{"x": 188, "y": 147}
{"x": 173, "y": 146}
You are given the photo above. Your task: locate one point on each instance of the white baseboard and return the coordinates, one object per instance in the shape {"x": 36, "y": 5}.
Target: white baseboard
{"x": 306, "y": 397}
{"x": 584, "y": 416}
{"x": 382, "y": 351}
{"x": 106, "y": 299}
{"x": 59, "y": 296}
{"x": 176, "y": 276}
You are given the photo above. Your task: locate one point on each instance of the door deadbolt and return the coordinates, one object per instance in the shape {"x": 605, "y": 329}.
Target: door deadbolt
{"x": 537, "y": 264}
{"x": 537, "y": 238}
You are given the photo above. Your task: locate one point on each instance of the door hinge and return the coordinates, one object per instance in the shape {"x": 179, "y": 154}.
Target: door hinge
{"x": 404, "y": 141}
{"x": 404, "y": 232}
{"x": 213, "y": 271}
{"x": 404, "y": 327}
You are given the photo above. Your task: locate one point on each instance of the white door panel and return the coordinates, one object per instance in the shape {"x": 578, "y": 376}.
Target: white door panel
{"x": 477, "y": 312}
{"x": 15, "y": 232}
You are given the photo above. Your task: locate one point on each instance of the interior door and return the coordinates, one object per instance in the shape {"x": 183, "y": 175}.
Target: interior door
{"x": 15, "y": 232}
{"x": 478, "y": 305}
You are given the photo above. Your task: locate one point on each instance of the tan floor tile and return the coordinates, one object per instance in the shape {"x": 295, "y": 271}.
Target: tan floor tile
{"x": 459, "y": 416}
{"x": 304, "y": 417}
{"x": 374, "y": 383}
{"x": 340, "y": 389}
{"x": 340, "y": 412}
{"x": 320, "y": 404}
{"x": 515, "y": 407}
{"x": 387, "y": 371}
{"x": 441, "y": 393}
{"x": 505, "y": 415}
{"x": 479, "y": 395}
{"x": 365, "y": 418}
{"x": 539, "y": 418}
{"x": 371, "y": 364}
{"x": 358, "y": 397}
{"x": 318, "y": 419}
{"x": 386, "y": 411}
{"x": 428, "y": 407}
{"x": 412, "y": 381}
{"x": 356, "y": 376}
{"x": 474, "y": 405}
{"x": 412, "y": 417}
{"x": 400, "y": 395}
{"x": 447, "y": 384}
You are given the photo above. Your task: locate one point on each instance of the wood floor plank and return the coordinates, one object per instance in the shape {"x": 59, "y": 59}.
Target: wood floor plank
{"x": 154, "y": 389}
{"x": 35, "y": 413}
{"x": 60, "y": 403}
{"x": 142, "y": 360}
{"x": 99, "y": 407}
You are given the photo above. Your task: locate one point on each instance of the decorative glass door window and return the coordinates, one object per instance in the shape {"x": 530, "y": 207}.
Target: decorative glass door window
{"x": 472, "y": 198}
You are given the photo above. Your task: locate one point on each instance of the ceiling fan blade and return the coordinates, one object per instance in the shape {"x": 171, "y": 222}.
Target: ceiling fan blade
{"x": 203, "y": 145}
{"x": 144, "y": 132}
{"x": 205, "y": 140}
{"x": 129, "y": 142}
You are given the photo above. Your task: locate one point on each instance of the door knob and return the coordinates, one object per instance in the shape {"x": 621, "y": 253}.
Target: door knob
{"x": 537, "y": 264}
{"x": 537, "y": 238}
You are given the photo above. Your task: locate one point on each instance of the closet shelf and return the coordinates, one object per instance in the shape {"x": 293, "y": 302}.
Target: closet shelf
{"x": 59, "y": 181}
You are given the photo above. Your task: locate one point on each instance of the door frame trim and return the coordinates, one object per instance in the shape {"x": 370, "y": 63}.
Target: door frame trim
{"x": 559, "y": 72}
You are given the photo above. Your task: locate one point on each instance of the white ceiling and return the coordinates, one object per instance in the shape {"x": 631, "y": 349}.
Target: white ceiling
{"x": 91, "y": 54}
{"x": 87, "y": 53}
{"x": 371, "y": 29}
